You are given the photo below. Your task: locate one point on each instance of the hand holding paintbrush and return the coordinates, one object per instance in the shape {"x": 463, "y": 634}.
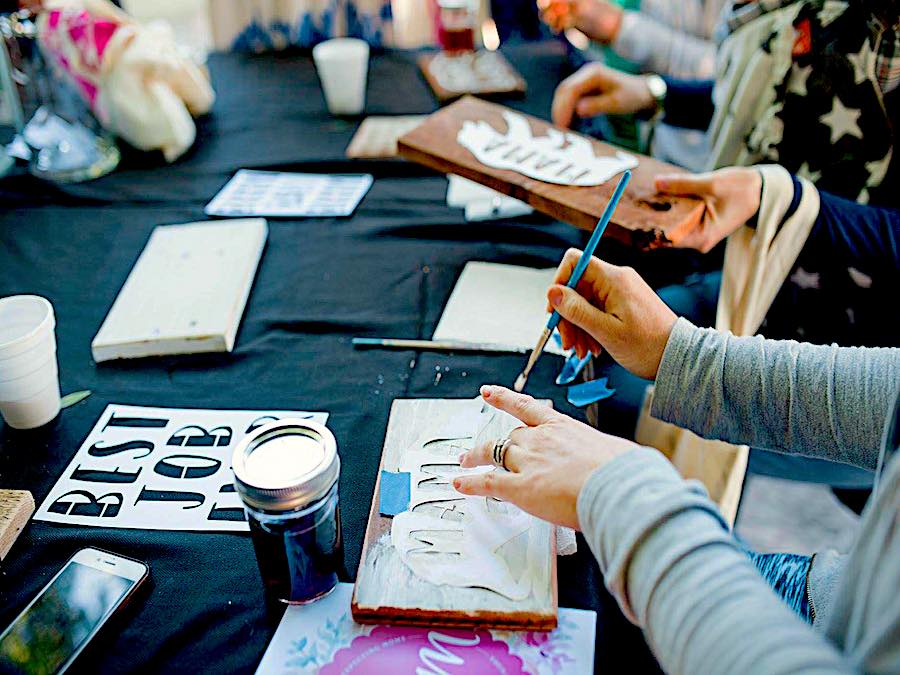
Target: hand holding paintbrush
{"x": 577, "y": 272}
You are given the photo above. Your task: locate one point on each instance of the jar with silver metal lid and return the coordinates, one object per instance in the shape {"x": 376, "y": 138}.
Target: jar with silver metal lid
{"x": 286, "y": 473}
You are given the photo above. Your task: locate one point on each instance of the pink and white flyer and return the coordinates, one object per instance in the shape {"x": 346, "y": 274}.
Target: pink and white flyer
{"x": 323, "y": 638}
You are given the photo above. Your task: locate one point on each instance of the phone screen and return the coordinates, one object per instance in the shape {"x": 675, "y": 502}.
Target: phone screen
{"x": 61, "y": 620}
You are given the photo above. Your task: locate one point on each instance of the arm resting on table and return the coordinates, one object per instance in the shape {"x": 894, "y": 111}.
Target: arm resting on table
{"x": 822, "y": 401}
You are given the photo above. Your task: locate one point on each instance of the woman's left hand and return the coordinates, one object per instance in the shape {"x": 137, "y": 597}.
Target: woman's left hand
{"x": 548, "y": 460}
{"x": 731, "y": 195}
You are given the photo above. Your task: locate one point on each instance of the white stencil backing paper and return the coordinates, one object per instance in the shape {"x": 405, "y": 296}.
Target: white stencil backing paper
{"x": 450, "y": 539}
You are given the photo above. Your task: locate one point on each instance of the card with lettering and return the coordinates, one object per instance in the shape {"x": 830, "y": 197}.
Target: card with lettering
{"x": 323, "y": 638}
{"x": 158, "y": 469}
{"x": 298, "y": 195}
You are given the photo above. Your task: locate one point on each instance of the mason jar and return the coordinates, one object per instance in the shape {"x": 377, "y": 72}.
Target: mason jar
{"x": 286, "y": 473}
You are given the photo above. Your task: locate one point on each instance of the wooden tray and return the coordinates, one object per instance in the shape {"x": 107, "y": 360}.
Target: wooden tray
{"x": 386, "y": 592}
{"x": 478, "y": 79}
{"x": 643, "y": 217}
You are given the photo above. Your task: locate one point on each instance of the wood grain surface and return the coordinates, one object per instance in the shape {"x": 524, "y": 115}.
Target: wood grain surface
{"x": 643, "y": 218}
{"x": 16, "y": 507}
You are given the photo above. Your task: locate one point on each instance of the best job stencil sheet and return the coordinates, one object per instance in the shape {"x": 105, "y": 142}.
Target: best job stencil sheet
{"x": 158, "y": 469}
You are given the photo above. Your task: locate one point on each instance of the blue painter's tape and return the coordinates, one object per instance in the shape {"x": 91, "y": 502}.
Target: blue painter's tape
{"x": 586, "y": 393}
{"x": 394, "y": 496}
{"x": 571, "y": 368}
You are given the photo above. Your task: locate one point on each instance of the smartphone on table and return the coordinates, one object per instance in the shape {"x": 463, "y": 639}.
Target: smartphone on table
{"x": 57, "y": 625}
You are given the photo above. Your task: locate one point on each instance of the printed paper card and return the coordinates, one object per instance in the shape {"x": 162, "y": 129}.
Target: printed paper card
{"x": 158, "y": 469}
{"x": 274, "y": 194}
{"x": 323, "y": 638}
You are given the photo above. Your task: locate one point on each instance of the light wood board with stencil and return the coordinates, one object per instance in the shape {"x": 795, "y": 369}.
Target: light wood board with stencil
{"x": 483, "y": 72}
{"x": 16, "y": 507}
{"x": 388, "y": 590}
{"x": 643, "y": 218}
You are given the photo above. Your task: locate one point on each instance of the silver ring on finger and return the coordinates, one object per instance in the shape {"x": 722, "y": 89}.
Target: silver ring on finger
{"x": 499, "y": 453}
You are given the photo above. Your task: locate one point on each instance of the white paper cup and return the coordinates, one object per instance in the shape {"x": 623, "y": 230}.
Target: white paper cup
{"x": 29, "y": 377}
{"x": 343, "y": 65}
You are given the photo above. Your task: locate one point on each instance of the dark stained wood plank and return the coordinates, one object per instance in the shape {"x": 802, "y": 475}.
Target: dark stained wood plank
{"x": 643, "y": 217}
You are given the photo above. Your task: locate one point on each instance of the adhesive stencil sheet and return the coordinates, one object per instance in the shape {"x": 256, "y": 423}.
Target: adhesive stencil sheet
{"x": 498, "y": 304}
{"x": 274, "y": 194}
{"x": 158, "y": 469}
{"x": 557, "y": 157}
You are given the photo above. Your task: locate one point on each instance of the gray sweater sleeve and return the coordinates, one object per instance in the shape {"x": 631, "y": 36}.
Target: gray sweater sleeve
{"x": 821, "y": 401}
{"x": 669, "y": 559}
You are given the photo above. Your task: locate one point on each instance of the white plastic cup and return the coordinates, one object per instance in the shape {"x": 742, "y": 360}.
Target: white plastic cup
{"x": 29, "y": 376}
{"x": 343, "y": 65}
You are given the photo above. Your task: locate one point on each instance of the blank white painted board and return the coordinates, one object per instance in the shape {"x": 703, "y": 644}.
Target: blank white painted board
{"x": 186, "y": 292}
{"x": 498, "y": 304}
{"x": 480, "y": 202}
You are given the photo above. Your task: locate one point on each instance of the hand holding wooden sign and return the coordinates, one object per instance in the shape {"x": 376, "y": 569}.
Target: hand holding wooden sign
{"x": 566, "y": 177}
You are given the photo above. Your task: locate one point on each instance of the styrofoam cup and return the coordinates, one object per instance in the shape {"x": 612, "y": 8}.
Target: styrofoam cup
{"x": 343, "y": 65}
{"x": 29, "y": 376}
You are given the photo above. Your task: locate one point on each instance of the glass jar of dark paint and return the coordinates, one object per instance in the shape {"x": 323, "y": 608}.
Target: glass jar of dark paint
{"x": 286, "y": 473}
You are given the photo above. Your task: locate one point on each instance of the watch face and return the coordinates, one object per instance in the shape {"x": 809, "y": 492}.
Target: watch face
{"x": 657, "y": 87}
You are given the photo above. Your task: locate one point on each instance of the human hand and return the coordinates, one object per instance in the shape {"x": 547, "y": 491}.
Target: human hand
{"x": 548, "y": 460}
{"x": 732, "y": 198}
{"x": 598, "y": 19}
{"x": 613, "y": 308}
{"x": 595, "y": 89}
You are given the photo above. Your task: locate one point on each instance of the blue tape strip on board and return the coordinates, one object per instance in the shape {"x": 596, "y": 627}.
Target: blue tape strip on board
{"x": 586, "y": 393}
{"x": 571, "y": 368}
{"x": 394, "y": 495}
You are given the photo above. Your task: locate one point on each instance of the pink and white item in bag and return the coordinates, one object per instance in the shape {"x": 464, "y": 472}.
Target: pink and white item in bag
{"x": 132, "y": 76}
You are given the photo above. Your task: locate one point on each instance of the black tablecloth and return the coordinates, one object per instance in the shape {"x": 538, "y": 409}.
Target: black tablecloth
{"x": 387, "y": 271}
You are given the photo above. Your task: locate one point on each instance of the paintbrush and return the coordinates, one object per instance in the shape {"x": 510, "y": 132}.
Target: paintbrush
{"x": 575, "y": 278}
{"x": 436, "y": 345}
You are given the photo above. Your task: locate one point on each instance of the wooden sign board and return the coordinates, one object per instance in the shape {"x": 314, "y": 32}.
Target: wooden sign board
{"x": 186, "y": 292}
{"x": 484, "y": 73}
{"x": 16, "y": 507}
{"x": 377, "y": 136}
{"x": 388, "y": 591}
{"x": 643, "y": 218}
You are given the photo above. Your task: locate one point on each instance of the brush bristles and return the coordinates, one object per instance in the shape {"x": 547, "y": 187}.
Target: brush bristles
{"x": 520, "y": 383}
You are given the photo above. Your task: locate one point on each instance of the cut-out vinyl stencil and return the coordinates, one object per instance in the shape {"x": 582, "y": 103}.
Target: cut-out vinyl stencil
{"x": 449, "y": 557}
{"x": 559, "y": 158}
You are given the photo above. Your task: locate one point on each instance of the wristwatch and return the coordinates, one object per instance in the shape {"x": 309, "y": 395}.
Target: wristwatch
{"x": 658, "y": 88}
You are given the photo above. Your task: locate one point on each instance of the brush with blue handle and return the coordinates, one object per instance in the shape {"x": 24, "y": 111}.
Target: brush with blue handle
{"x": 575, "y": 278}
